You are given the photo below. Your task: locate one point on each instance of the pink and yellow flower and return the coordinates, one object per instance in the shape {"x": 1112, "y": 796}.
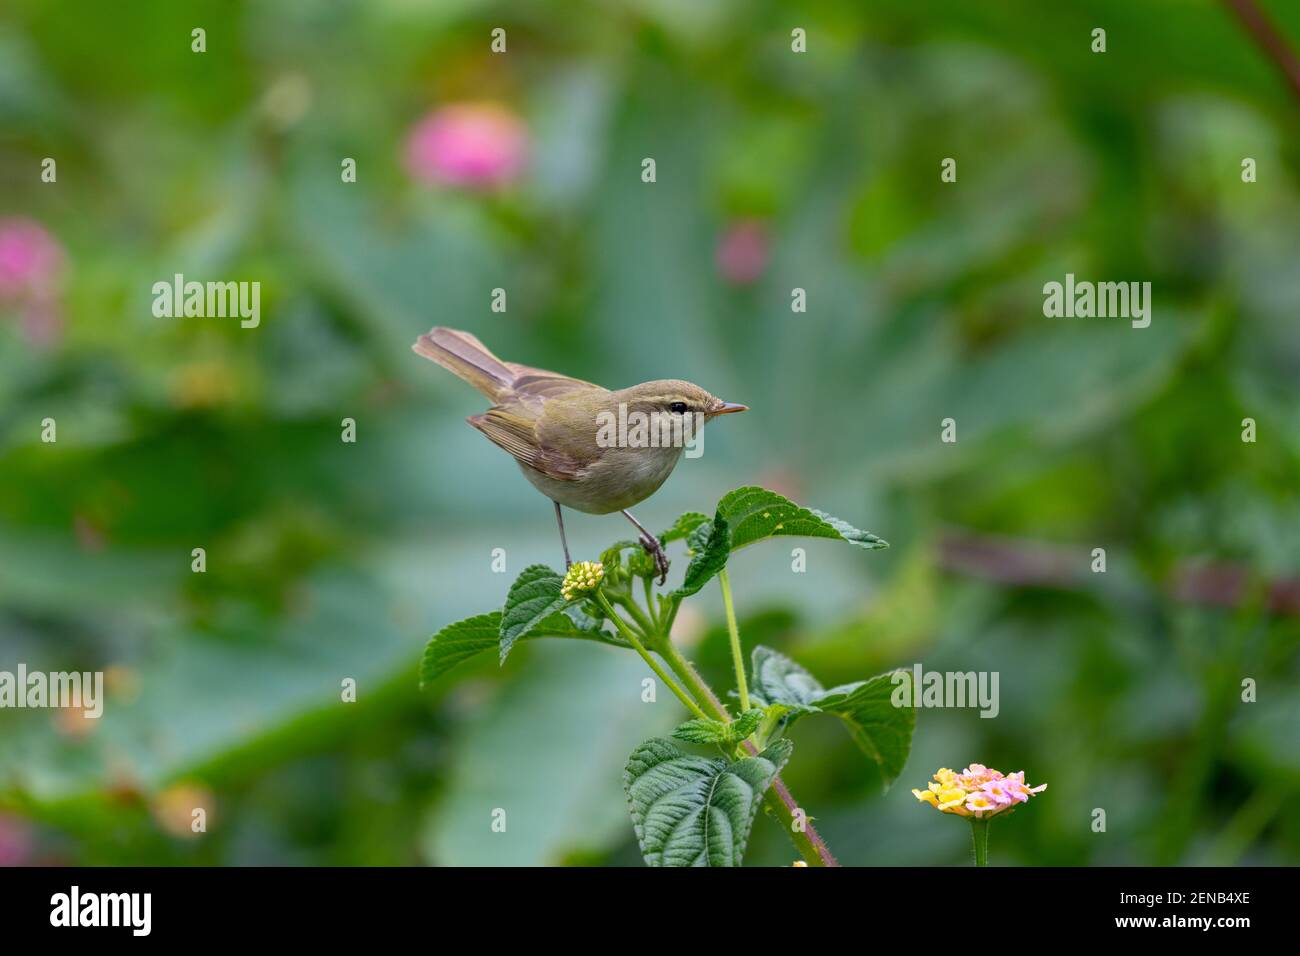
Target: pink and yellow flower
{"x": 978, "y": 791}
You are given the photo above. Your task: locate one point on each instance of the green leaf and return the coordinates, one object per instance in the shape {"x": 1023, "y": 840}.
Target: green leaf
{"x": 458, "y": 642}
{"x": 752, "y": 514}
{"x": 586, "y": 616}
{"x": 755, "y": 513}
{"x": 746, "y": 724}
{"x": 779, "y": 680}
{"x": 613, "y": 555}
{"x": 696, "y": 811}
{"x": 706, "y": 730}
{"x": 683, "y": 527}
{"x": 533, "y": 598}
{"x": 882, "y": 731}
{"x": 710, "y": 543}
{"x": 638, "y": 562}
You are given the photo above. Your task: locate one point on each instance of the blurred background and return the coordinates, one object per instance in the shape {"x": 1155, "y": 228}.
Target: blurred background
{"x": 329, "y": 560}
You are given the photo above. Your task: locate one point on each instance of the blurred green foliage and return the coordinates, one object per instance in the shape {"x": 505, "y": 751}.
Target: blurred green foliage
{"x": 329, "y": 560}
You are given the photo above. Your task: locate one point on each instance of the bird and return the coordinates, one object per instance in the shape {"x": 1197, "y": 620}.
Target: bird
{"x": 563, "y": 432}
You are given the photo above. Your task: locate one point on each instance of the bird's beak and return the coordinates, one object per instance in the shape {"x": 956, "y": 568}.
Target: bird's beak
{"x": 726, "y": 408}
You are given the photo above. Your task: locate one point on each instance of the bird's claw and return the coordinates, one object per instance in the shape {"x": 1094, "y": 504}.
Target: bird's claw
{"x": 656, "y": 551}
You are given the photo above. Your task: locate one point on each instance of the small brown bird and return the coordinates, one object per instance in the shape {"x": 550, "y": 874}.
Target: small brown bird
{"x": 564, "y": 432}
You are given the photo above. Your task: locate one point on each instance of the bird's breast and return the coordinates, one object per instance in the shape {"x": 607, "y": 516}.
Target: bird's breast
{"x": 620, "y": 478}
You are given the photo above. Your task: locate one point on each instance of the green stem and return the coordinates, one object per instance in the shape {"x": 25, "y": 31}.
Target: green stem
{"x": 645, "y": 656}
{"x": 626, "y": 600}
{"x": 979, "y": 830}
{"x": 650, "y": 602}
{"x": 667, "y": 618}
{"x": 737, "y": 655}
{"x": 691, "y": 678}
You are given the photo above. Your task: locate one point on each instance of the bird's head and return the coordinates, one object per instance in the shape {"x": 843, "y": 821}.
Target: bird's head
{"x": 676, "y": 397}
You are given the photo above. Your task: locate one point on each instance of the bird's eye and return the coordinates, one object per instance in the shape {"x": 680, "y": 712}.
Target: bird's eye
{"x": 678, "y": 407}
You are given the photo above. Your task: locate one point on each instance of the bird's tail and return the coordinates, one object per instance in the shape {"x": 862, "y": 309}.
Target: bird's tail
{"x": 466, "y": 357}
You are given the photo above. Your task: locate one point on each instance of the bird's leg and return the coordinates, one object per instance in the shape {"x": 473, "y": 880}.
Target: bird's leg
{"x": 652, "y": 545}
{"x": 564, "y": 544}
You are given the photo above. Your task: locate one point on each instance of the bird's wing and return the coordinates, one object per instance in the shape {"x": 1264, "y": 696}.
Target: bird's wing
{"x": 517, "y": 434}
{"x": 529, "y": 382}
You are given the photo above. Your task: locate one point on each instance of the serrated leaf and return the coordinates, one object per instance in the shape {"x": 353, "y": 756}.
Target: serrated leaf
{"x": 882, "y": 730}
{"x": 458, "y": 642}
{"x": 613, "y": 555}
{"x": 696, "y": 811}
{"x": 751, "y": 514}
{"x": 588, "y": 616}
{"x": 755, "y": 513}
{"x": 779, "y": 680}
{"x": 745, "y": 724}
{"x": 683, "y": 527}
{"x": 641, "y": 564}
{"x": 533, "y": 597}
{"x": 706, "y": 730}
{"x": 710, "y": 543}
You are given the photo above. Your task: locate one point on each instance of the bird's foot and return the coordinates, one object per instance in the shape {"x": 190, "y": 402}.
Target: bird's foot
{"x": 656, "y": 551}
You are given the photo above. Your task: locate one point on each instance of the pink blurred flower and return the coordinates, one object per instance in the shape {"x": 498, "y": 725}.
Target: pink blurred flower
{"x": 31, "y": 261}
{"x": 15, "y": 841}
{"x": 468, "y": 144}
{"x": 742, "y": 251}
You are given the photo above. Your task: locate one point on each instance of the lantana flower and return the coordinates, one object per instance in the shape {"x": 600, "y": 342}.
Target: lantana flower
{"x": 979, "y": 794}
{"x": 581, "y": 578}
{"x": 978, "y": 791}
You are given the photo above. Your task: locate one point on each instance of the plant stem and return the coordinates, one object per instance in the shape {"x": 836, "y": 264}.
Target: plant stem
{"x": 626, "y": 600}
{"x": 778, "y": 799}
{"x": 650, "y": 601}
{"x": 737, "y": 655}
{"x": 1269, "y": 39}
{"x": 979, "y": 830}
{"x": 691, "y": 678}
{"x": 645, "y": 656}
{"x": 667, "y": 618}
{"x": 781, "y": 803}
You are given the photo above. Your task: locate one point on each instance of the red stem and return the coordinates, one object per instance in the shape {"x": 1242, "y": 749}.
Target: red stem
{"x": 1267, "y": 37}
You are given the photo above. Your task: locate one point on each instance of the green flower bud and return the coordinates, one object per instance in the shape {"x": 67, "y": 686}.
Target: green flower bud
{"x": 582, "y": 578}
